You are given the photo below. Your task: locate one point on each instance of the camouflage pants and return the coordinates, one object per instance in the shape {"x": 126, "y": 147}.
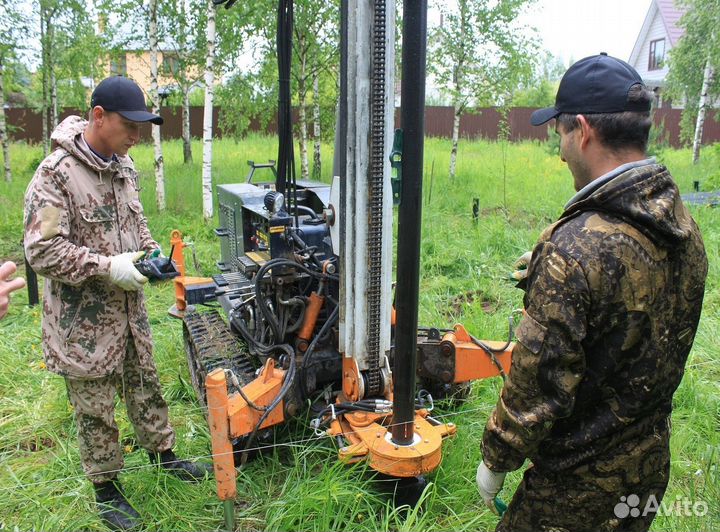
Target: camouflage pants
{"x": 94, "y": 404}
{"x": 608, "y": 494}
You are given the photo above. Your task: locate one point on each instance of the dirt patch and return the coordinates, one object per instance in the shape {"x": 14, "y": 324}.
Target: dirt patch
{"x": 37, "y": 444}
{"x": 474, "y": 297}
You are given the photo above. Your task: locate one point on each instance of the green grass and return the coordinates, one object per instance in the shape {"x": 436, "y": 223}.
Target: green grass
{"x": 300, "y": 485}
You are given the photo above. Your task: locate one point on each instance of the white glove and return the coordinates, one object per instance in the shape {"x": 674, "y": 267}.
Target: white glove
{"x": 521, "y": 266}
{"x": 124, "y": 273}
{"x": 489, "y": 483}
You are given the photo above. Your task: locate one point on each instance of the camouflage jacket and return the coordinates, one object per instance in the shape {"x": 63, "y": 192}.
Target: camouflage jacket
{"x": 613, "y": 301}
{"x": 79, "y": 211}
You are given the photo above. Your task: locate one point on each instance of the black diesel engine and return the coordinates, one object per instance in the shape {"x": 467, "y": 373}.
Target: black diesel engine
{"x": 278, "y": 291}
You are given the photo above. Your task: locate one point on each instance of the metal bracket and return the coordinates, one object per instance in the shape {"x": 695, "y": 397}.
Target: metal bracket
{"x": 396, "y": 166}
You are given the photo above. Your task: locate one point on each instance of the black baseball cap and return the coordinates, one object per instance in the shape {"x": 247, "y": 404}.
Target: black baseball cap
{"x": 596, "y": 84}
{"x": 123, "y": 96}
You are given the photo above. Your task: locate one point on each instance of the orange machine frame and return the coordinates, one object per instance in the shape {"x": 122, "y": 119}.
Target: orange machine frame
{"x": 177, "y": 245}
{"x": 367, "y": 434}
{"x": 472, "y": 361}
{"x": 230, "y": 416}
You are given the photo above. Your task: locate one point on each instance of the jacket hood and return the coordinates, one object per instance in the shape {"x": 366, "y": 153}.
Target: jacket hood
{"x": 68, "y": 135}
{"x": 645, "y": 196}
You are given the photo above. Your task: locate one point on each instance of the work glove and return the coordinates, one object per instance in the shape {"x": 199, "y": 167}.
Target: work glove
{"x": 489, "y": 484}
{"x": 521, "y": 266}
{"x": 124, "y": 273}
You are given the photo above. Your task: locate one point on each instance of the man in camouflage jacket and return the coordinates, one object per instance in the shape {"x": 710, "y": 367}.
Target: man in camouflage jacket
{"x": 84, "y": 229}
{"x": 613, "y": 297}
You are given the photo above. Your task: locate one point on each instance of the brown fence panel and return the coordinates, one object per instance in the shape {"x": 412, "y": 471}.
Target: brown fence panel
{"x": 26, "y": 124}
{"x": 669, "y": 121}
{"x": 522, "y": 129}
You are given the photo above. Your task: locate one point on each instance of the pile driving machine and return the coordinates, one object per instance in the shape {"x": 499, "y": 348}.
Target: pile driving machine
{"x": 304, "y": 297}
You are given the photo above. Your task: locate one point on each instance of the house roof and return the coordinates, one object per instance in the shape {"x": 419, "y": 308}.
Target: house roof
{"x": 670, "y": 14}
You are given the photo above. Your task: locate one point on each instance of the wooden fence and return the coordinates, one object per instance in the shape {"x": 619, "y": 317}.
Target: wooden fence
{"x": 26, "y": 124}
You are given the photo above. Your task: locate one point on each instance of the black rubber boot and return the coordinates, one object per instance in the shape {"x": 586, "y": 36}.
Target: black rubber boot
{"x": 115, "y": 510}
{"x": 183, "y": 469}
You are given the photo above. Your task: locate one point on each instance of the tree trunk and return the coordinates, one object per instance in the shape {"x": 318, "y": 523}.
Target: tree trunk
{"x": 53, "y": 79}
{"x": 455, "y": 135}
{"x": 3, "y": 126}
{"x": 302, "y": 115}
{"x": 458, "y": 79}
{"x": 185, "y": 85}
{"x": 316, "y": 124}
{"x": 44, "y": 22}
{"x": 208, "y": 113}
{"x": 187, "y": 147}
{"x": 155, "y": 97}
{"x": 702, "y": 107}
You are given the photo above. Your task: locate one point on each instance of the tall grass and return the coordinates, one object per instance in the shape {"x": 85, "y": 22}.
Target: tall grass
{"x": 299, "y": 484}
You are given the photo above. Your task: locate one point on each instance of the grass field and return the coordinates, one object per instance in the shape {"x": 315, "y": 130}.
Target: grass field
{"x": 299, "y": 484}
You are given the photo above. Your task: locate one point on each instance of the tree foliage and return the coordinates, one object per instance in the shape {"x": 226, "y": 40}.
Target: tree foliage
{"x": 541, "y": 88}
{"x": 479, "y": 54}
{"x": 250, "y": 90}
{"x": 699, "y": 45}
{"x": 12, "y": 27}
{"x": 70, "y": 47}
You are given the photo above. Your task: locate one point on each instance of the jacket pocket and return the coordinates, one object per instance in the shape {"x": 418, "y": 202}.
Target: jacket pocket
{"x": 73, "y": 322}
{"x": 531, "y": 334}
{"x": 96, "y": 228}
{"x": 100, "y": 214}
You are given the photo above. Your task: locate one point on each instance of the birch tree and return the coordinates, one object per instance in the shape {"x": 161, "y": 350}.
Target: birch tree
{"x": 477, "y": 54}
{"x": 12, "y": 26}
{"x": 155, "y": 98}
{"x": 208, "y": 112}
{"x": 185, "y": 21}
{"x": 47, "y": 11}
{"x": 314, "y": 48}
{"x": 69, "y": 49}
{"x": 316, "y": 173}
{"x": 702, "y": 108}
{"x": 4, "y": 138}
{"x": 693, "y": 65}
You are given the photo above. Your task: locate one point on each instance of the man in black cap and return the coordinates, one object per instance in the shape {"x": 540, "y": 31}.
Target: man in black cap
{"x": 84, "y": 230}
{"x": 613, "y": 297}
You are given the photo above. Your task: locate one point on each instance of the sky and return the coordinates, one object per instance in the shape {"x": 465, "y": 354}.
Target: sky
{"x": 573, "y": 29}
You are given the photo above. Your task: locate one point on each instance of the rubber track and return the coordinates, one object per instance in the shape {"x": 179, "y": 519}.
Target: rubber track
{"x": 210, "y": 344}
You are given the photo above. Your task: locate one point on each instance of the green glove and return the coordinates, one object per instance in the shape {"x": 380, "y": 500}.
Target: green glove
{"x": 500, "y": 506}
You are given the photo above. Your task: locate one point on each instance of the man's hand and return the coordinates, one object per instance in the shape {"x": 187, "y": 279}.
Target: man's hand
{"x": 521, "y": 266}
{"x": 124, "y": 273}
{"x": 6, "y": 270}
{"x": 489, "y": 484}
